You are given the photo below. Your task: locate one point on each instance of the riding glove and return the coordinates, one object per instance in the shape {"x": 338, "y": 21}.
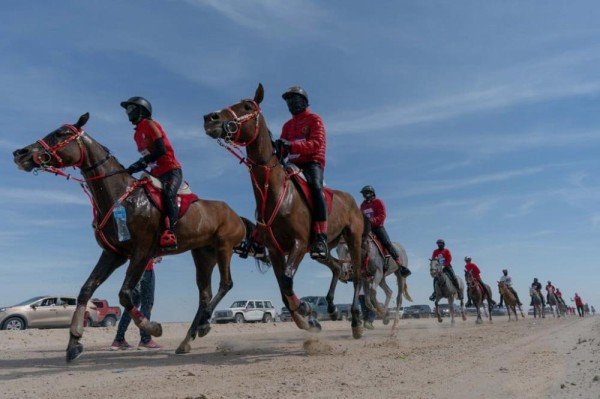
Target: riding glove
{"x": 137, "y": 166}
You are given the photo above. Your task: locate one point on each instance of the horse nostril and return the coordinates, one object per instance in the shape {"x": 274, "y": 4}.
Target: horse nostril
{"x": 20, "y": 151}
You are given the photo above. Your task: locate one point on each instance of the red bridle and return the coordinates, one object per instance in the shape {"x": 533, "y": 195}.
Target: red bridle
{"x": 42, "y": 158}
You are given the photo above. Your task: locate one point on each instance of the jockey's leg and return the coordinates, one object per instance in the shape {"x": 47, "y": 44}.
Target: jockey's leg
{"x": 384, "y": 238}
{"x": 516, "y": 296}
{"x": 450, "y": 271}
{"x": 171, "y": 182}
{"x": 314, "y": 178}
{"x": 432, "y": 296}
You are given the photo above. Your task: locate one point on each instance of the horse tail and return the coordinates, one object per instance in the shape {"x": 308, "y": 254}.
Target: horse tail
{"x": 405, "y": 292}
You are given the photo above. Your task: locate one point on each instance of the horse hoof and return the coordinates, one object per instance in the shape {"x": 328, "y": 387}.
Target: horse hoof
{"x": 155, "y": 329}
{"x": 464, "y": 317}
{"x": 357, "y": 332}
{"x": 440, "y": 319}
{"x": 386, "y": 321}
{"x": 314, "y": 326}
{"x": 203, "y": 330}
{"x": 183, "y": 349}
{"x": 73, "y": 352}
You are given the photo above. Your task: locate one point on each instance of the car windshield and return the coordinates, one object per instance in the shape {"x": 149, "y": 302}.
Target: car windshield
{"x": 31, "y": 300}
{"x": 239, "y": 304}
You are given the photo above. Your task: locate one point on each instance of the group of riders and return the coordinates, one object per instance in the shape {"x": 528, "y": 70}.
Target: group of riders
{"x": 303, "y": 143}
{"x": 444, "y": 257}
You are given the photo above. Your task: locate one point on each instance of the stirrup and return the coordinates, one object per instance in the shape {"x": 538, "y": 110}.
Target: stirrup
{"x": 319, "y": 251}
{"x": 168, "y": 241}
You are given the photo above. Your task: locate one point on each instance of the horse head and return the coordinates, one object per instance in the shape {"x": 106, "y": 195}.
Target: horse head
{"x": 435, "y": 268}
{"x": 469, "y": 277}
{"x": 59, "y": 149}
{"x": 241, "y": 125}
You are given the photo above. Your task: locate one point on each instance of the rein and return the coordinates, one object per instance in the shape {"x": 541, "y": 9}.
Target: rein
{"x": 52, "y": 152}
{"x": 231, "y": 142}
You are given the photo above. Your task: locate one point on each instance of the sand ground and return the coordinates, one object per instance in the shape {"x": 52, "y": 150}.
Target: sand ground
{"x": 531, "y": 358}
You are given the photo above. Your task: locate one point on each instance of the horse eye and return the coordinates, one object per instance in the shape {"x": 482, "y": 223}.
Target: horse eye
{"x": 248, "y": 106}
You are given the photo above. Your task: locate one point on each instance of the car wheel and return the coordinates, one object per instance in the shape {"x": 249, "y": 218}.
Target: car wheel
{"x": 267, "y": 317}
{"x": 14, "y": 323}
{"x": 239, "y": 318}
{"x": 109, "y": 321}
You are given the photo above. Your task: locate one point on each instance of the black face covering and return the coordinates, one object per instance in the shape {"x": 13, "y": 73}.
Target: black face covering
{"x": 296, "y": 103}
{"x": 134, "y": 113}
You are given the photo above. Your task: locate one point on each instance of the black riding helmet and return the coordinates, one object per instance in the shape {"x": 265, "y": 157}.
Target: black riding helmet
{"x": 142, "y": 109}
{"x": 295, "y": 90}
{"x": 367, "y": 189}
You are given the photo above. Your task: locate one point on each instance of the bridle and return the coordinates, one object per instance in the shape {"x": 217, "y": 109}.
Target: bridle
{"x": 43, "y": 158}
{"x": 233, "y": 128}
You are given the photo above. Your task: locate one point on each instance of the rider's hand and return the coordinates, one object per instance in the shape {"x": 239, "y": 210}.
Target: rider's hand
{"x": 137, "y": 166}
{"x": 283, "y": 143}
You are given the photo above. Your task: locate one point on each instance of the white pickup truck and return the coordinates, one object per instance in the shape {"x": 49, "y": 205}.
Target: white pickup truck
{"x": 246, "y": 311}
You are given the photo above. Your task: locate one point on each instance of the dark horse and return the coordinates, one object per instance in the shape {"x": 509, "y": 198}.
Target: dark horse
{"x": 478, "y": 295}
{"x": 209, "y": 229}
{"x": 283, "y": 217}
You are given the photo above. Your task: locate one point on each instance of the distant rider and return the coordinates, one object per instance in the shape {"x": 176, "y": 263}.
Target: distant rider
{"x": 444, "y": 257}
{"x": 550, "y": 289}
{"x": 536, "y": 285}
{"x": 374, "y": 209}
{"x": 476, "y": 272}
{"x": 507, "y": 280}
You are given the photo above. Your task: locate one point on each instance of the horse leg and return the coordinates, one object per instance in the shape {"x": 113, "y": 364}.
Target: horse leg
{"x": 388, "y": 298}
{"x": 107, "y": 264}
{"x": 353, "y": 237}
{"x": 336, "y": 270}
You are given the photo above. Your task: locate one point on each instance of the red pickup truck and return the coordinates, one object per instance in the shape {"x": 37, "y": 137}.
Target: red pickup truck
{"x": 107, "y": 315}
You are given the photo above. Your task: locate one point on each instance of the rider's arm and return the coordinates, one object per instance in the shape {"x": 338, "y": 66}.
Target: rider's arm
{"x": 159, "y": 144}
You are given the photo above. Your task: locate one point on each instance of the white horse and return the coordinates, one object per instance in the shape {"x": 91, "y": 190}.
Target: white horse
{"x": 538, "y": 308}
{"x": 374, "y": 277}
{"x": 445, "y": 289}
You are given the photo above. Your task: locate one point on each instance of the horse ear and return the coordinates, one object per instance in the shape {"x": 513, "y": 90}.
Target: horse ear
{"x": 82, "y": 120}
{"x": 259, "y": 94}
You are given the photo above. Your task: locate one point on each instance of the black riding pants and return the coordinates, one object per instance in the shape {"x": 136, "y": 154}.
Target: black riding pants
{"x": 171, "y": 182}
{"x": 314, "y": 177}
{"x": 382, "y": 235}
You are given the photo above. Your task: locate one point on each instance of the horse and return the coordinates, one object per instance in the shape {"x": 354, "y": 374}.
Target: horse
{"x": 510, "y": 299}
{"x": 283, "y": 216}
{"x": 554, "y": 304}
{"x": 536, "y": 299}
{"x": 478, "y": 295}
{"x": 209, "y": 229}
{"x": 445, "y": 289}
{"x": 375, "y": 277}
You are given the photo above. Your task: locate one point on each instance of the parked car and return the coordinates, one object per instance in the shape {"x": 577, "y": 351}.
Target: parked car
{"x": 246, "y": 311}
{"x": 445, "y": 309}
{"x": 285, "y": 314}
{"x": 107, "y": 315}
{"x": 417, "y": 312}
{"x": 43, "y": 312}
{"x": 318, "y": 305}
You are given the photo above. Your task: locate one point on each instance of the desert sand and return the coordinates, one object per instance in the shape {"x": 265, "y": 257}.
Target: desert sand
{"x": 531, "y": 358}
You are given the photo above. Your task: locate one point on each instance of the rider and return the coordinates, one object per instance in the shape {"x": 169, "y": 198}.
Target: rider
{"x": 508, "y": 282}
{"x": 550, "y": 289}
{"x": 559, "y": 297}
{"x": 536, "y": 285}
{"x": 156, "y": 150}
{"x": 304, "y": 142}
{"x": 474, "y": 269}
{"x": 374, "y": 210}
{"x": 444, "y": 257}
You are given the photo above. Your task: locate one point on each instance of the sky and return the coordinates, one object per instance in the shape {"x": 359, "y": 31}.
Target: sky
{"x": 476, "y": 122}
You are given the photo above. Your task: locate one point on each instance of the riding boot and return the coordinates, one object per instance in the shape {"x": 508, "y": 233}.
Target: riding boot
{"x": 319, "y": 250}
{"x": 469, "y": 302}
{"x": 168, "y": 240}
{"x": 432, "y": 297}
{"x": 404, "y": 271}
{"x": 242, "y": 249}
{"x": 386, "y": 263}
{"x": 516, "y": 296}
{"x": 453, "y": 278}
{"x": 501, "y": 300}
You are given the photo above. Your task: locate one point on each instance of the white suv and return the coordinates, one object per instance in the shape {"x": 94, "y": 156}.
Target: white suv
{"x": 245, "y": 311}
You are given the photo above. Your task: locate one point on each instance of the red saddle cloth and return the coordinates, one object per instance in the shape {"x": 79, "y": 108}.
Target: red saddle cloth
{"x": 300, "y": 181}
{"x": 184, "y": 197}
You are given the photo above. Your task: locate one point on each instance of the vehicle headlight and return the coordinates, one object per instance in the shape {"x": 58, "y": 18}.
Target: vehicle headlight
{"x": 2, "y": 309}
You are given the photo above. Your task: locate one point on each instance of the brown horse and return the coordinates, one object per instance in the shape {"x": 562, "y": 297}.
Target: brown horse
{"x": 209, "y": 229}
{"x": 478, "y": 295}
{"x": 284, "y": 219}
{"x": 510, "y": 299}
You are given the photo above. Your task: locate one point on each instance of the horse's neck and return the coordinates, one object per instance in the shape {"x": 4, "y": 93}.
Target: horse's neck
{"x": 106, "y": 190}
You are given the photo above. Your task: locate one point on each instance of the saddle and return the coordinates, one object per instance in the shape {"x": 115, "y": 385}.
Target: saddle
{"x": 296, "y": 175}
{"x": 153, "y": 187}
{"x": 382, "y": 250}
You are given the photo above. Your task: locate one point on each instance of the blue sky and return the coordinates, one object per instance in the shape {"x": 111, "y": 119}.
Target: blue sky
{"x": 475, "y": 122}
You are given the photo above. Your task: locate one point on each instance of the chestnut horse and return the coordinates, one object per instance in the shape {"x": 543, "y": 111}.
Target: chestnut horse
{"x": 209, "y": 229}
{"x": 478, "y": 295}
{"x": 283, "y": 217}
{"x": 510, "y": 299}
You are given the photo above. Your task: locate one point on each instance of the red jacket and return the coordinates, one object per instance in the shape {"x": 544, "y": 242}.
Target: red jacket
{"x": 443, "y": 253}
{"x": 374, "y": 211}
{"x": 578, "y": 300}
{"x": 474, "y": 269}
{"x": 145, "y": 134}
{"x": 550, "y": 288}
{"x": 306, "y": 132}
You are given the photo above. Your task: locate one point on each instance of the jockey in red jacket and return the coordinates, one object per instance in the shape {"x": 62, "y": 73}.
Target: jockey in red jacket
{"x": 444, "y": 257}
{"x": 156, "y": 150}
{"x": 550, "y": 289}
{"x": 304, "y": 142}
{"x": 374, "y": 209}
{"x": 474, "y": 269}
